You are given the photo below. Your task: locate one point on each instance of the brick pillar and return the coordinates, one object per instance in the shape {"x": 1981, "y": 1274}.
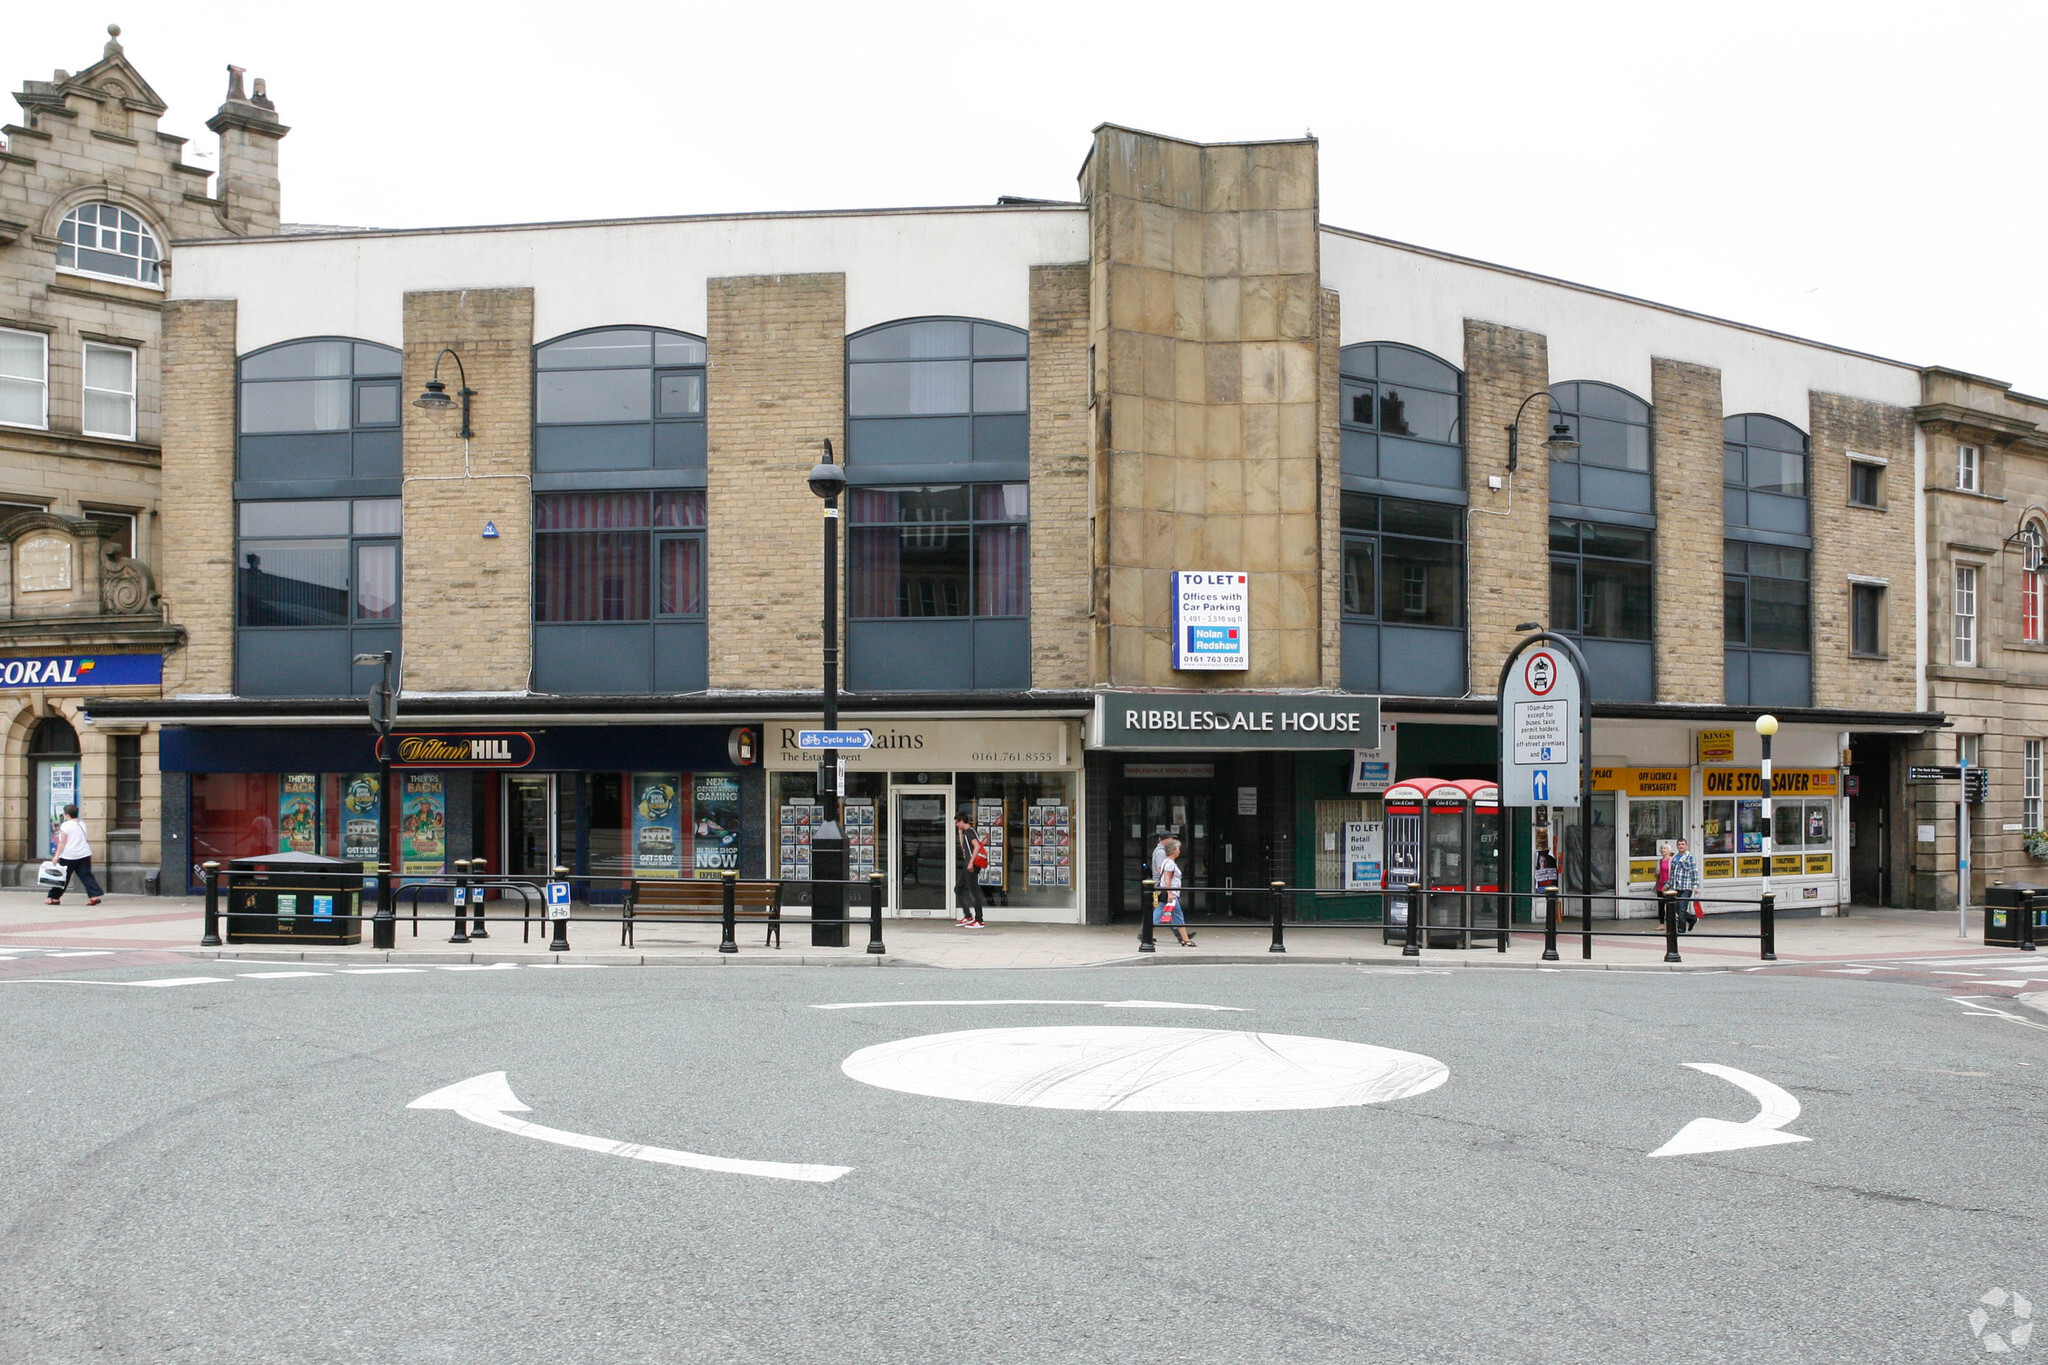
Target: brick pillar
{"x": 197, "y": 541}
{"x": 1686, "y": 435}
{"x": 468, "y": 605}
{"x": 1330, "y": 496}
{"x": 1509, "y": 560}
{"x": 1871, "y": 544}
{"x": 1061, "y": 567}
{"x": 1206, "y": 325}
{"x": 777, "y": 379}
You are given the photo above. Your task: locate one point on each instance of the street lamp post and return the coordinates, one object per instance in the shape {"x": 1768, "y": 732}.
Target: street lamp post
{"x": 1766, "y": 726}
{"x": 828, "y": 843}
{"x": 383, "y": 715}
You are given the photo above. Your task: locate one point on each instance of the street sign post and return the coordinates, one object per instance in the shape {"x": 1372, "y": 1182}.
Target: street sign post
{"x": 1546, "y": 760}
{"x": 558, "y": 915}
{"x": 835, "y": 739}
{"x": 1945, "y": 774}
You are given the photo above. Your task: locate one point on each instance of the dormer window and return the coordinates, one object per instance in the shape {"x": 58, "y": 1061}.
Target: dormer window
{"x": 111, "y": 243}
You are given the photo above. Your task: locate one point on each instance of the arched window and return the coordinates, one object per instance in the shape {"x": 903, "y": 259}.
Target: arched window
{"x": 2033, "y": 540}
{"x": 1766, "y": 588}
{"x": 619, "y": 398}
{"x": 318, "y": 516}
{"x": 109, "y": 241}
{"x": 939, "y": 537}
{"x": 1602, "y": 536}
{"x": 1402, "y": 417}
{"x": 619, "y": 447}
{"x": 53, "y": 759}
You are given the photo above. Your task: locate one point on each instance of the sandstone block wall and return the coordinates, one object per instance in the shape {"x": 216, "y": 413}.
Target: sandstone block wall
{"x": 776, "y": 382}
{"x": 1508, "y": 560}
{"x": 197, "y": 569}
{"x": 1061, "y": 510}
{"x": 1685, "y": 426}
{"x": 1858, "y": 541}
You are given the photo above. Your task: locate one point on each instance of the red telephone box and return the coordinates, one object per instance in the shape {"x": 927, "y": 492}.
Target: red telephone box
{"x": 1442, "y": 836}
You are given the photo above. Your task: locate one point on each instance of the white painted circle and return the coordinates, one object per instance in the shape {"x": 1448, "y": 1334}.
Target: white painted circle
{"x": 1145, "y": 1070}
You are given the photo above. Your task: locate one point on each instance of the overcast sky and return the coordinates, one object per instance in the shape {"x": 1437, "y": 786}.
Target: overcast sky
{"x": 1867, "y": 174}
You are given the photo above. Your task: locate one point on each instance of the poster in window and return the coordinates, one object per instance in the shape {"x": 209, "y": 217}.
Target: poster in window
{"x": 860, "y": 836}
{"x": 991, "y": 823}
{"x": 298, "y": 813}
{"x": 423, "y": 824}
{"x": 715, "y": 824}
{"x": 799, "y": 817}
{"x": 362, "y": 828}
{"x": 657, "y": 825}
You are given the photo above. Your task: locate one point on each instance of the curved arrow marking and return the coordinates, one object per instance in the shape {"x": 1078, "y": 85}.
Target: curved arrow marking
{"x": 488, "y": 1099}
{"x": 1777, "y": 1108}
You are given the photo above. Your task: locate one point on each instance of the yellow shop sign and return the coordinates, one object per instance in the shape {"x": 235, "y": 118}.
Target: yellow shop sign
{"x": 1643, "y": 781}
{"x": 1784, "y": 782}
{"x": 1717, "y": 746}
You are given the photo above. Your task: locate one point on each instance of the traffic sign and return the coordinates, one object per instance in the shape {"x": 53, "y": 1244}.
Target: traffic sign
{"x": 835, "y": 739}
{"x": 1541, "y": 758}
{"x": 558, "y": 900}
{"x": 1977, "y": 786}
{"x": 1945, "y": 774}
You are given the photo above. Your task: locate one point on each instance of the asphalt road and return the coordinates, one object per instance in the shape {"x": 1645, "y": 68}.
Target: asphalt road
{"x": 228, "y": 1171}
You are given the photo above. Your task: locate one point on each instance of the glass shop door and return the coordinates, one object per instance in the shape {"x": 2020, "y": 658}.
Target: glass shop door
{"x": 921, "y": 851}
{"x": 529, "y": 806}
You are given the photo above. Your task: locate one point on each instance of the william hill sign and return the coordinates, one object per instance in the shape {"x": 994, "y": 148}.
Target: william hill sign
{"x": 459, "y": 749}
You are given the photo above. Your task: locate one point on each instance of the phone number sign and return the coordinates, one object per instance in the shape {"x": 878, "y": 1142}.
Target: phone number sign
{"x": 1212, "y": 616}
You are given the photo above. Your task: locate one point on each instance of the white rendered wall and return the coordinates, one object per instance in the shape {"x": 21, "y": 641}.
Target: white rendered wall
{"x": 1392, "y": 293}
{"x": 966, "y": 262}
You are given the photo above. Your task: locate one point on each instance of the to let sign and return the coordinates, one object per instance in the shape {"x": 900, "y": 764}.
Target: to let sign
{"x": 1212, "y": 617}
{"x": 458, "y": 749}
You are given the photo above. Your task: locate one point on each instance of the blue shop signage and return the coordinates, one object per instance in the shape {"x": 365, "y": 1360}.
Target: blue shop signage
{"x": 83, "y": 670}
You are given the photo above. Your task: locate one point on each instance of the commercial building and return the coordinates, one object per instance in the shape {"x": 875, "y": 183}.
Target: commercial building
{"x": 1374, "y": 462}
{"x": 91, "y": 195}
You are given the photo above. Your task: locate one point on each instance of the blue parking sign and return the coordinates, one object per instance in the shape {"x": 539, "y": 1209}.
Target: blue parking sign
{"x": 558, "y": 900}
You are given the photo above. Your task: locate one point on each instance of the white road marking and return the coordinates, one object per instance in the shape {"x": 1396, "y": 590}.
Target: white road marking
{"x": 1848, "y": 971}
{"x": 276, "y": 976}
{"x": 1145, "y": 1070}
{"x": 378, "y": 971}
{"x": 477, "y": 967}
{"x": 563, "y": 966}
{"x": 85, "y": 952}
{"x": 74, "y": 981}
{"x": 2023, "y": 981}
{"x": 1105, "y": 1004}
{"x": 1976, "y": 1010}
{"x": 1776, "y": 1108}
{"x": 488, "y": 1099}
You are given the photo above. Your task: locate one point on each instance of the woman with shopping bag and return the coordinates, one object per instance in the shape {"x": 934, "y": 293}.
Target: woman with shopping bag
{"x": 1169, "y": 912}
{"x": 74, "y": 853}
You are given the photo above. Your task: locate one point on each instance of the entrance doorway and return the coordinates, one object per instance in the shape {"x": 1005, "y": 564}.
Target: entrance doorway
{"x": 53, "y": 749}
{"x": 1186, "y": 815}
{"x": 921, "y": 850}
{"x": 1870, "y": 819}
{"x": 530, "y": 825}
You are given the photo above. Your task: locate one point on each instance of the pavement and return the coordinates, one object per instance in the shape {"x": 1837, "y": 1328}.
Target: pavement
{"x": 219, "y": 1162}
{"x": 174, "y": 925}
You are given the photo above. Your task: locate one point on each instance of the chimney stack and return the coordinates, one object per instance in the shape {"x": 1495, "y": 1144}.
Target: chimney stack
{"x": 248, "y": 187}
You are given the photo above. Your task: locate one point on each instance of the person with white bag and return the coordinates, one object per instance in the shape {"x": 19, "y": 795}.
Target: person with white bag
{"x": 74, "y": 854}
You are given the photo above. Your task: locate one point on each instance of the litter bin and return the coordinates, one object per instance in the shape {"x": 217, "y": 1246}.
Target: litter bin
{"x": 2002, "y": 911}
{"x": 294, "y": 898}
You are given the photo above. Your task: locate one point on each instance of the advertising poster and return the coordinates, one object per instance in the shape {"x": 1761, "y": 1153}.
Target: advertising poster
{"x": 1372, "y": 770}
{"x": 799, "y": 817}
{"x": 1364, "y": 854}
{"x": 715, "y": 824}
{"x": 298, "y": 813}
{"x": 860, "y": 836}
{"x": 362, "y": 815}
{"x": 991, "y": 825}
{"x": 423, "y": 824}
{"x": 63, "y": 792}
{"x": 657, "y": 825}
{"x": 1211, "y": 621}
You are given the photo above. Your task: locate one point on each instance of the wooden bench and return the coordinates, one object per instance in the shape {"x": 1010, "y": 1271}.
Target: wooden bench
{"x": 699, "y": 900}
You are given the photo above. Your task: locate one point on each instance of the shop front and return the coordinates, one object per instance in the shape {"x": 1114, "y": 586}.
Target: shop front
{"x": 1019, "y": 781}
{"x": 609, "y": 802}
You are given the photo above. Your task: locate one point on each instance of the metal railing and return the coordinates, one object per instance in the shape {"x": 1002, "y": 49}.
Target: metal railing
{"x": 1417, "y": 901}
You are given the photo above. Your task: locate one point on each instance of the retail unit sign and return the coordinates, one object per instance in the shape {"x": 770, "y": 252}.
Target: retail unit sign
{"x": 1372, "y": 770}
{"x": 1364, "y": 854}
{"x": 1232, "y": 720}
{"x": 458, "y": 749}
{"x": 83, "y": 670}
{"x": 932, "y": 745}
{"x": 1540, "y": 758}
{"x": 1212, "y": 617}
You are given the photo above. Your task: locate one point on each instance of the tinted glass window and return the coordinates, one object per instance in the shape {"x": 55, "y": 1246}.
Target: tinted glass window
{"x": 1399, "y": 391}
{"x": 309, "y": 387}
{"x": 1765, "y": 455}
{"x": 946, "y": 551}
{"x": 1612, "y": 426}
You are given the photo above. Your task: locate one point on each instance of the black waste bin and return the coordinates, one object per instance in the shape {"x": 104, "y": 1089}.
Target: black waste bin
{"x": 294, "y": 898}
{"x": 2003, "y": 909}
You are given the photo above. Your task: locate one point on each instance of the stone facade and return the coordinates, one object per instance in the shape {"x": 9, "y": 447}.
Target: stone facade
{"x": 1857, "y": 543}
{"x": 1206, "y": 300}
{"x": 777, "y": 382}
{"x": 1503, "y": 367}
{"x": 1685, "y": 405}
{"x": 1061, "y": 568}
{"x": 1999, "y": 702}
{"x": 469, "y": 604}
{"x": 94, "y": 138}
{"x": 199, "y": 477}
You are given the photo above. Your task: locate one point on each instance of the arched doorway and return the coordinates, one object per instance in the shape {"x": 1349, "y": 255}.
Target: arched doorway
{"x": 53, "y": 761}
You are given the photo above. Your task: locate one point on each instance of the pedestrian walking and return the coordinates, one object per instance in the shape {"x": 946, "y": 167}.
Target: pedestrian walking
{"x": 970, "y": 858}
{"x": 74, "y": 850}
{"x": 1159, "y": 853}
{"x": 1681, "y": 884}
{"x": 1169, "y": 882}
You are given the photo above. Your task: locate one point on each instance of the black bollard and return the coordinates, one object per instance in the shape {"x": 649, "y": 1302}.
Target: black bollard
{"x": 1586, "y": 923}
{"x": 1550, "y": 909}
{"x": 1767, "y": 929}
{"x": 1146, "y": 910}
{"x": 1417, "y": 908}
{"x": 476, "y": 899}
{"x": 2027, "y": 922}
{"x": 560, "y": 944}
{"x": 728, "y": 941}
{"x": 461, "y": 905}
{"x": 211, "y": 938}
{"x": 1670, "y": 906}
{"x": 1503, "y": 914}
{"x": 384, "y": 928}
{"x": 875, "y": 914}
{"x": 1279, "y": 913}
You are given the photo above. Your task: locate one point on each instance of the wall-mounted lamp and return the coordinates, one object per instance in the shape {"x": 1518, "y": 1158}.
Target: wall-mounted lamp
{"x": 436, "y": 395}
{"x": 1559, "y": 440}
